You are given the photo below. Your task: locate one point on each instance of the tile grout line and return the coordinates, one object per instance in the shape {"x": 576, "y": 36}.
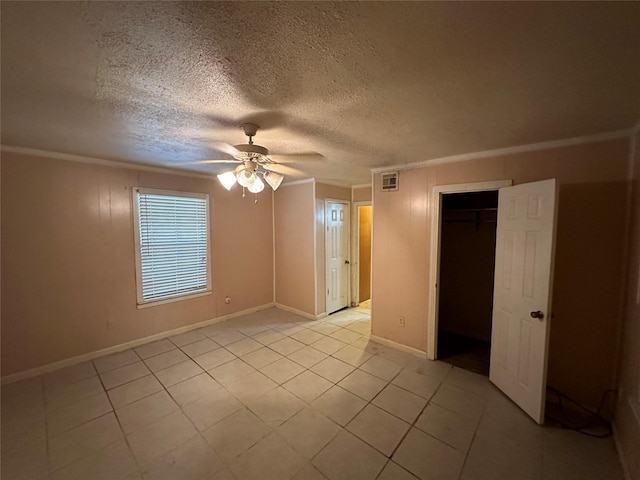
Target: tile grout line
{"x": 124, "y": 436}
{"x": 104, "y": 391}
{"x": 369, "y": 402}
{"x": 404, "y": 365}
{"x": 410, "y": 425}
{"x": 413, "y": 424}
{"x": 179, "y": 407}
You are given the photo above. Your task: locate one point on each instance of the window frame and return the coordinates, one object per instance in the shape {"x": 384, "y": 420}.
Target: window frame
{"x": 140, "y": 302}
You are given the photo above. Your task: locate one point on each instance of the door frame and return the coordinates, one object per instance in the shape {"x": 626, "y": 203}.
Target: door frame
{"x": 355, "y": 250}
{"x": 348, "y": 208}
{"x": 434, "y": 257}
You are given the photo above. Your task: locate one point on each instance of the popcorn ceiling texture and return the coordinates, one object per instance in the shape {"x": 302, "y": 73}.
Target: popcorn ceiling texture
{"x": 363, "y": 84}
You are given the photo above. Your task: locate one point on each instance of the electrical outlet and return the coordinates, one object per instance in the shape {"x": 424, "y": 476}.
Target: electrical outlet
{"x": 401, "y": 322}
{"x": 227, "y": 300}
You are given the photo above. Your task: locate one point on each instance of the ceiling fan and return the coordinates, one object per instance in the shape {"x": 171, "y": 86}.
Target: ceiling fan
{"x": 254, "y": 161}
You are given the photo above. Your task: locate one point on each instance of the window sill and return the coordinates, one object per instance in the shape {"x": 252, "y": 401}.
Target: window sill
{"x": 180, "y": 298}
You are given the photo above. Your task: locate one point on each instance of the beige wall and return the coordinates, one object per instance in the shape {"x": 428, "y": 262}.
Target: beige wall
{"x": 361, "y": 194}
{"x": 589, "y": 259}
{"x": 324, "y": 192}
{"x": 294, "y": 255}
{"x": 332, "y": 192}
{"x": 68, "y": 272}
{"x": 364, "y": 245}
{"x": 299, "y": 215}
{"x": 627, "y": 419}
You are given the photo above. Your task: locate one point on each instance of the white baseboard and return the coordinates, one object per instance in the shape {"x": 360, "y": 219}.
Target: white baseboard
{"x": 310, "y": 316}
{"x": 67, "y": 362}
{"x": 399, "y": 346}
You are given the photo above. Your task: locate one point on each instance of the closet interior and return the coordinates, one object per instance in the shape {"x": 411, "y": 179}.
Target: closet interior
{"x": 467, "y": 258}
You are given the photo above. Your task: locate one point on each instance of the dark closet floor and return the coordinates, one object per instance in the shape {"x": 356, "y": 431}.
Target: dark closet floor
{"x": 464, "y": 352}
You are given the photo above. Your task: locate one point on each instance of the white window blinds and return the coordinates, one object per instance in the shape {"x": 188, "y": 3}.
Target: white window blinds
{"x": 172, "y": 250}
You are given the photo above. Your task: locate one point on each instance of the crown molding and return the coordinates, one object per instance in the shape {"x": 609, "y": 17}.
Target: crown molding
{"x": 510, "y": 150}
{"x": 101, "y": 161}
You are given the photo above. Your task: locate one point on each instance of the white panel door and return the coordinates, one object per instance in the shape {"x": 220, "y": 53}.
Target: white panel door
{"x": 522, "y": 293}
{"x": 337, "y": 255}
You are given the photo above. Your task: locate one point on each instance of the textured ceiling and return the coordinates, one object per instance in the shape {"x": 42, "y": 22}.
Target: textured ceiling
{"x": 363, "y": 84}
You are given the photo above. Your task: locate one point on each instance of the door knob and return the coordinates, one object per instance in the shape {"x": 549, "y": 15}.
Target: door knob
{"x": 539, "y": 315}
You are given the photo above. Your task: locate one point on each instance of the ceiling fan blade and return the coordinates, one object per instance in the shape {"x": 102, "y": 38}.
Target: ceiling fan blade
{"x": 232, "y": 160}
{"x": 225, "y": 148}
{"x": 283, "y": 170}
{"x": 206, "y": 162}
{"x": 301, "y": 158}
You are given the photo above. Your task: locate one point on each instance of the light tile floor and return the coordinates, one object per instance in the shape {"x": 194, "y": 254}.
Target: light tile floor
{"x": 274, "y": 396}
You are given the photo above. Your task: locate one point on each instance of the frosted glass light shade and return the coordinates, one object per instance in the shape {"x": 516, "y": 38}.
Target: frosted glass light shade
{"x": 258, "y": 186}
{"x": 245, "y": 177}
{"x": 227, "y": 179}
{"x": 273, "y": 179}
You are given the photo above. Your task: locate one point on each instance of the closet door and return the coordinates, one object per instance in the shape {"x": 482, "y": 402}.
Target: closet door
{"x": 522, "y": 293}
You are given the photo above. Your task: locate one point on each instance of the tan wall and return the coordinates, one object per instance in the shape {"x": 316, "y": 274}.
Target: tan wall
{"x": 332, "y": 192}
{"x": 294, "y": 255}
{"x": 364, "y": 262}
{"x": 324, "y": 192}
{"x": 589, "y": 259}
{"x": 68, "y": 271}
{"x": 467, "y": 259}
{"x": 627, "y": 422}
{"x": 361, "y": 194}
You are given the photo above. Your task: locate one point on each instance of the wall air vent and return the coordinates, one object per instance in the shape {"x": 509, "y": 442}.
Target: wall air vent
{"x": 390, "y": 182}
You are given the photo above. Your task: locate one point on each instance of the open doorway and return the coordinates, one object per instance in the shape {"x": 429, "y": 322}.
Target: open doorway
{"x": 467, "y": 260}
{"x": 439, "y": 193}
{"x": 523, "y": 270}
{"x": 361, "y": 273}
{"x": 364, "y": 253}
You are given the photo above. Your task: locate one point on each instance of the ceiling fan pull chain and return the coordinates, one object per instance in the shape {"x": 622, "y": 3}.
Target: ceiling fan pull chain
{"x": 256, "y": 200}
{"x": 243, "y": 193}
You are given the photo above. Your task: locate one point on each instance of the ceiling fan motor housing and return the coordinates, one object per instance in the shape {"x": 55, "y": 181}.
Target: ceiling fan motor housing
{"x": 250, "y": 129}
{"x": 248, "y": 151}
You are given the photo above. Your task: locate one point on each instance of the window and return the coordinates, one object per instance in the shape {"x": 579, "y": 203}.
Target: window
{"x": 172, "y": 245}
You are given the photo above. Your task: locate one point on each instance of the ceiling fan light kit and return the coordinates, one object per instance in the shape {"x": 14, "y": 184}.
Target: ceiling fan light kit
{"x": 227, "y": 179}
{"x": 246, "y": 174}
{"x": 257, "y": 186}
{"x": 273, "y": 179}
{"x": 254, "y": 160}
